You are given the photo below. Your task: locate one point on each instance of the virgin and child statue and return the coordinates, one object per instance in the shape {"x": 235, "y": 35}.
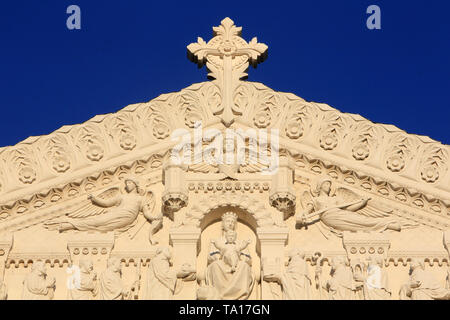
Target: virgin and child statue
{"x": 229, "y": 263}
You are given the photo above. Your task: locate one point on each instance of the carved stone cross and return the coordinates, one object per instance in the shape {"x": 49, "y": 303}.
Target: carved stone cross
{"x": 227, "y": 56}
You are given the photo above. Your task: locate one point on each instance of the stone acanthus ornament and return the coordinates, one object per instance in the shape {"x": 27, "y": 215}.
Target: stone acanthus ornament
{"x": 111, "y": 286}
{"x": 227, "y": 57}
{"x": 422, "y": 284}
{"x": 85, "y": 283}
{"x": 113, "y": 210}
{"x": 37, "y": 284}
{"x": 343, "y": 210}
{"x": 162, "y": 281}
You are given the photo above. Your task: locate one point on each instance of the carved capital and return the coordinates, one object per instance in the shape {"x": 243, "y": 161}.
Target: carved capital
{"x": 96, "y": 246}
{"x": 175, "y": 195}
{"x": 361, "y": 246}
{"x": 282, "y": 195}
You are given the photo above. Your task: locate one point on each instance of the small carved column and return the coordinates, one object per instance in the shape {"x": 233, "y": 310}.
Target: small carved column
{"x": 6, "y": 243}
{"x": 282, "y": 195}
{"x": 185, "y": 242}
{"x": 96, "y": 246}
{"x": 273, "y": 241}
{"x": 175, "y": 195}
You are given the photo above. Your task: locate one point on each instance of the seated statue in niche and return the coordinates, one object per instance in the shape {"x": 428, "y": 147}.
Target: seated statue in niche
{"x": 422, "y": 285}
{"x": 113, "y": 210}
{"x": 231, "y": 249}
{"x": 229, "y": 285}
{"x": 343, "y": 210}
{"x": 111, "y": 286}
{"x": 85, "y": 286}
{"x": 38, "y": 285}
{"x": 162, "y": 282}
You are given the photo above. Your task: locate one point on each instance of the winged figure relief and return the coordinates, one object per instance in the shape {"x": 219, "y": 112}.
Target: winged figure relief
{"x": 230, "y": 163}
{"x": 113, "y": 210}
{"x": 344, "y": 210}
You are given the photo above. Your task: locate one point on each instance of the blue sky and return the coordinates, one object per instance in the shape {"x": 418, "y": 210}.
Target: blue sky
{"x": 132, "y": 51}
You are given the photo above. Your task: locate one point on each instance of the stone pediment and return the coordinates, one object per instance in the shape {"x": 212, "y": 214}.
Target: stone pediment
{"x": 407, "y": 168}
{"x": 109, "y": 193}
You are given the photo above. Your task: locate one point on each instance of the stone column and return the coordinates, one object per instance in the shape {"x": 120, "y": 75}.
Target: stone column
{"x": 273, "y": 241}
{"x": 185, "y": 242}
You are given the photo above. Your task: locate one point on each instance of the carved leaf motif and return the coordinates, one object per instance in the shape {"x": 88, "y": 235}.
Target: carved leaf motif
{"x": 122, "y": 129}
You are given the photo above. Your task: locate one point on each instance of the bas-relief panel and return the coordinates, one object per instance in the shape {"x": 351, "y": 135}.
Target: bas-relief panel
{"x": 355, "y": 210}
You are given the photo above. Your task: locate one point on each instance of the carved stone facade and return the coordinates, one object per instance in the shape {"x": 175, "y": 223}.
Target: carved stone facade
{"x": 140, "y": 204}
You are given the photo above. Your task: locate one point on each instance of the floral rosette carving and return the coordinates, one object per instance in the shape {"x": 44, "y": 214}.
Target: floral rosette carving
{"x": 434, "y": 164}
{"x": 27, "y": 175}
{"x": 127, "y": 141}
{"x": 294, "y": 129}
{"x": 328, "y": 141}
{"x": 61, "y": 163}
{"x": 262, "y": 119}
{"x": 430, "y": 173}
{"x": 160, "y": 129}
{"x": 395, "y": 163}
{"x": 360, "y": 151}
{"x": 57, "y": 151}
{"x": 94, "y": 152}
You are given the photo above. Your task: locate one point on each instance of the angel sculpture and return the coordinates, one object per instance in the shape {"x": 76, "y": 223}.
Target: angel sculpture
{"x": 229, "y": 163}
{"x": 113, "y": 210}
{"x": 344, "y": 210}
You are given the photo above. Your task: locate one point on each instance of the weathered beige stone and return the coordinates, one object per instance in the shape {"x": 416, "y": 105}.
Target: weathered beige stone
{"x": 300, "y": 202}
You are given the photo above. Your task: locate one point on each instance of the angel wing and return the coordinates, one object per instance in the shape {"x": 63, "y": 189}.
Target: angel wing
{"x": 88, "y": 209}
{"x": 203, "y": 167}
{"x": 373, "y": 210}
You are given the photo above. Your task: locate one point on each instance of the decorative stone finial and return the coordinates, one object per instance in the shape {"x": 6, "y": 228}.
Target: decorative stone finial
{"x": 227, "y": 57}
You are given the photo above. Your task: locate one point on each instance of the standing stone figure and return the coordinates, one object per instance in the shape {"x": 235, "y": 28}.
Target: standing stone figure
{"x": 230, "y": 285}
{"x": 295, "y": 280}
{"x": 3, "y": 290}
{"x": 37, "y": 285}
{"x": 163, "y": 282}
{"x": 422, "y": 285}
{"x": 377, "y": 282}
{"x": 341, "y": 285}
{"x": 111, "y": 286}
{"x": 86, "y": 287}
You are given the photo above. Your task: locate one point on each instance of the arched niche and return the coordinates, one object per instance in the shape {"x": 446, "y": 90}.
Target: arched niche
{"x": 246, "y": 228}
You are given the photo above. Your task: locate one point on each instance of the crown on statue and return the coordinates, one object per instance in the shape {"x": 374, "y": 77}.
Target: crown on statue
{"x": 231, "y": 215}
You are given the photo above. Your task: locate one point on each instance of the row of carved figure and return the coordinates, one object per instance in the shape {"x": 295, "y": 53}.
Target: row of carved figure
{"x": 83, "y": 284}
{"x": 360, "y": 281}
{"x": 357, "y": 282}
